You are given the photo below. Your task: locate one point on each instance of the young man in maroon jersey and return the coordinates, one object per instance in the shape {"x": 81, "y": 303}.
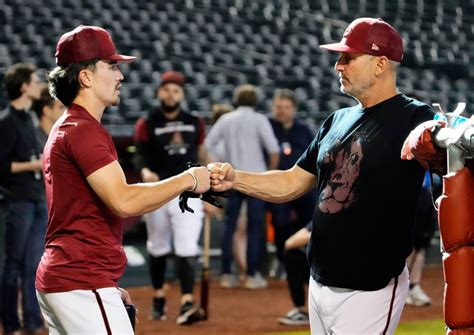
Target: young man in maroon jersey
{"x": 87, "y": 193}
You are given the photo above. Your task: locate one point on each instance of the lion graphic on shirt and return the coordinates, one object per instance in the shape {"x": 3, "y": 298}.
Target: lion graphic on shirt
{"x": 339, "y": 191}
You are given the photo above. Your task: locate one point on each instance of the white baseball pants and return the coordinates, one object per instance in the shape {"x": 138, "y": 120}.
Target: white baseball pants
{"x": 169, "y": 224}
{"x": 80, "y": 312}
{"x": 338, "y": 311}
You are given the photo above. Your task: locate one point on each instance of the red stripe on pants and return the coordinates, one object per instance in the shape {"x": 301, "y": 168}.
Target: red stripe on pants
{"x": 102, "y": 311}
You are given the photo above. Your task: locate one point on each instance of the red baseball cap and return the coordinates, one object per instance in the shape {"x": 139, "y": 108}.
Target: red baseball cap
{"x": 172, "y": 77}
{"x": 370, "y": 36}
{"x": 85, "y": 43}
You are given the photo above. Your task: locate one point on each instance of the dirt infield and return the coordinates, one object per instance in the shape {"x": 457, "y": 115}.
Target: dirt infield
{"x": 242, "y": 311}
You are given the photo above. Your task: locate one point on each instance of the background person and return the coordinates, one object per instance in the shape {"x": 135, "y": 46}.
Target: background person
{"x": 246, "y": 134}
{"x": 166, "y": 140}
{"x": 25, "y": 221}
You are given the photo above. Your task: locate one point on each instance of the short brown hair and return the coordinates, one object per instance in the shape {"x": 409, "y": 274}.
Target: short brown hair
{"x": 218, "y": 110}
{"x": 15, "y": 77}
{"x": 64, "y": 83}
{"x": 284, "y": 93}
{"x": 245, "y": 95}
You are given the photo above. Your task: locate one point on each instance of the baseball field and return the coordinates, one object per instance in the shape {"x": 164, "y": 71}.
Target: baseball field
{"x": 242, "y": 311}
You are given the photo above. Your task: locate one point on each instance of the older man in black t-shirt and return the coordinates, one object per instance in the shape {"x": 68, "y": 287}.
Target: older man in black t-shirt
{"x": 364, "y": 216}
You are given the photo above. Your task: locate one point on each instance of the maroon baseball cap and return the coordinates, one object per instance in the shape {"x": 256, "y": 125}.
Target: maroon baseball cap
{"x": 370, "y": 36}
{"x": 172, "y": 77}
{"x": 85, "y": 43}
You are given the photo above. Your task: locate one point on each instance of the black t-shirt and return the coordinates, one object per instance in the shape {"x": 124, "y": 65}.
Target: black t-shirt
{"x": 364, "y": 216}
{"x": 164, "y": 145}
{"x": 18, "y": 144}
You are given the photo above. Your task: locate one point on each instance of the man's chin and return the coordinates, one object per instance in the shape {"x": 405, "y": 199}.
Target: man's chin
{"x": 347, "y": 91}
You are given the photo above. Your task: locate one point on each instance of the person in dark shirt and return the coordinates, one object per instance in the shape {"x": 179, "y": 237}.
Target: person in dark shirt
{"x": 367, "y": 195}
{"x": 26, "y": 217}
{"x": 294, "y": 137}
{"x": 166, "y": 140}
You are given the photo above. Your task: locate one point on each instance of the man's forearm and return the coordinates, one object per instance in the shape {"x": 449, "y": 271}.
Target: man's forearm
{"x": 142, "y": 198}
{"x": 272, "y": 186}
{"x": 19, "y": 167}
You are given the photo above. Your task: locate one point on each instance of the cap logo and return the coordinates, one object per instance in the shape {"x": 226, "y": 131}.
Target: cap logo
{"x": 347, "y": 31}
{"x": 375, "y": 47}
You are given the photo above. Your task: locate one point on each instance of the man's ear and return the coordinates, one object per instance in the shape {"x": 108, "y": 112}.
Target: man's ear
{"x": 23, "y": 88}
{"x": 85, "y": 78}
{"x": 382, "y": 65}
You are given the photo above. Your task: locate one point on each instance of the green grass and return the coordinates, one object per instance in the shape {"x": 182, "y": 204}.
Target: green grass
{"x": 430, "y": 327}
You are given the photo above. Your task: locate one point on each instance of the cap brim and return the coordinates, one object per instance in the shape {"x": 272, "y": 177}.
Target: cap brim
{"x": 122, "y": 58}
{"x": 339, "y": 47}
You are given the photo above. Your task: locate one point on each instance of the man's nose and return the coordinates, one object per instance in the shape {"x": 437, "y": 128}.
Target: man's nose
{"x": 338, "y": 66}
{"x": 120, "y": 76}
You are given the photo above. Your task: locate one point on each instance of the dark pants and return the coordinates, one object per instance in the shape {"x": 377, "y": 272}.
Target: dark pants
{"x": 426, "y": 221}
{"x": 25, "y": 228}
{"x": 185, "y": 267}
{"x": 3, "y": 214}
{"x": 297, "y": 268}
{"x": 289, "y": 217}
{"x": 255, "y": 236}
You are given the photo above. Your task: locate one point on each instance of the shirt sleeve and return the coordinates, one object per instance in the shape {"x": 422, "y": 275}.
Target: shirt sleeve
{"x": 201, "y": 131}
{"x": 306, "y": 133}
{"x": 309, "y": 159}
{"x": 141, "y": 131}
{"x": 422, "y": 114}
{"x": 267, "y": 136}
{"x": 90, "y": 152}
{"x": 141, "y": 144}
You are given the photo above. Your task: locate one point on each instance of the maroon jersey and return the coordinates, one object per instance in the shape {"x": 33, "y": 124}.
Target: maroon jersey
{"x": 84, "y": 238}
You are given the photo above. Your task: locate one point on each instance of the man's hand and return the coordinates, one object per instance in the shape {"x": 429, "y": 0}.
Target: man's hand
{"x": 37, "y": 165}
{"x": 222, "y": 176}
{"x": 128, "y": 301}
{"x": 420, "y": 145}
{"x": 149, "y": 176}
{"x": 125, "y": 296}
{"x": 200, "y": 174}
{"x": 201, "y": 178}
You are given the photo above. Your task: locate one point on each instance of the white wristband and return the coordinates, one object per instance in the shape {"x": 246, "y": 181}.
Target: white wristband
{"x": 195, "y": 181}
